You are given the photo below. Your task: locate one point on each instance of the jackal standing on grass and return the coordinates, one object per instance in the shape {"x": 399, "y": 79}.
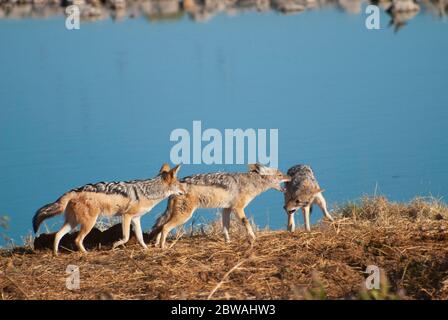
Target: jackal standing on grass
{"x": 230, "y": 191}
{"x": 130, "y": 200}
{"x": 302, "y": 192}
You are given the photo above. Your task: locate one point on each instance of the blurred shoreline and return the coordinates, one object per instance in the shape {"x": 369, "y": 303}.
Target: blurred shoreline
{"x": 204, "y": 10}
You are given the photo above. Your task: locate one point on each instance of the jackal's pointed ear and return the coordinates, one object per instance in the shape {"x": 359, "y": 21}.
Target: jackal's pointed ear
{"x": 261, "y": 169}
{"x": 175, "y": 170}
{"x": 254, "y": 167}
{"x": 165, "y": 168}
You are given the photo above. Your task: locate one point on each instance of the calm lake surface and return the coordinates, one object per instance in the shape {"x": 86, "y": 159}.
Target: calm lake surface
{"x": 367, "y": 109}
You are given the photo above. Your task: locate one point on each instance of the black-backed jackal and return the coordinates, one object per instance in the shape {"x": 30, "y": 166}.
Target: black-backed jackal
{"x": 302, "y": 192}
{"x": 130, "y": 200}
{"x": 230, "y": 191}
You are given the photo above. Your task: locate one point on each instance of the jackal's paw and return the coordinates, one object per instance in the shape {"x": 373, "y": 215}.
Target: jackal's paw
{"x": 252, "y": 240}
{"x": 117, "y": 244}
{"x": 82, "y": 254}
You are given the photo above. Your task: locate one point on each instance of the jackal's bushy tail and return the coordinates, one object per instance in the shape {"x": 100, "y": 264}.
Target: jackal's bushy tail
{"x": 51, "y": 210}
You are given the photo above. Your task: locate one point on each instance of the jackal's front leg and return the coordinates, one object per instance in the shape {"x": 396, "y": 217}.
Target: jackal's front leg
{"x": 226, "y": 223}
{"x": 242, "y": 217}
{"x": 306, "y": 217}
{"x": 291, "y": 222}
{"x": 138, "y": 231}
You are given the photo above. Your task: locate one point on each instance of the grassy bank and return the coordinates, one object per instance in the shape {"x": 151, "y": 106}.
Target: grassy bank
{"x": 408, "y": 242}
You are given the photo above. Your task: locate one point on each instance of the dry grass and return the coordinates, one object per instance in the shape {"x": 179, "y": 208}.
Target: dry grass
{"x": 409, "y": 242}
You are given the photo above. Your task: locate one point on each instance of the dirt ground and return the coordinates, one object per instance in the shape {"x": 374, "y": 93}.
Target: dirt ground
{"x": 408, "y": 242}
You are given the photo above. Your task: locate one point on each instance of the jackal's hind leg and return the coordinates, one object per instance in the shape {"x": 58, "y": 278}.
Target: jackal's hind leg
{"x": 177, "y": 218}
{"x": 242, "y": 217}
{"x": 66, "y": 228}
{"x": 86, "y": 227}
{"x": 320, "y": 201}
{"x": 226, "y": 223}
{"x": 126, "y": 226}
{"x": 138, "y": 231}
{"x": 158, "y": 238}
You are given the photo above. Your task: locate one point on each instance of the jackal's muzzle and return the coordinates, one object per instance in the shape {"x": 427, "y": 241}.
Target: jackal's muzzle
{"x": 289, "y": 211}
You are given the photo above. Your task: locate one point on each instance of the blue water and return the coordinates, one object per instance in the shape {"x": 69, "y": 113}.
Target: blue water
{"x": 366, "y": 108}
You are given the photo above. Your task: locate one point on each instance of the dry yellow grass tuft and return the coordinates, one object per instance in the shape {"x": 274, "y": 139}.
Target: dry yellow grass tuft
{"x": 409, "y": 242}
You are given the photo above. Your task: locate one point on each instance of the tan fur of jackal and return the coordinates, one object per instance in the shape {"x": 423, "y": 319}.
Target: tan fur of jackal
{"x": 230, "y": 191}
{"x": 301, "y": 193}
{"x": 130, "y": 200}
